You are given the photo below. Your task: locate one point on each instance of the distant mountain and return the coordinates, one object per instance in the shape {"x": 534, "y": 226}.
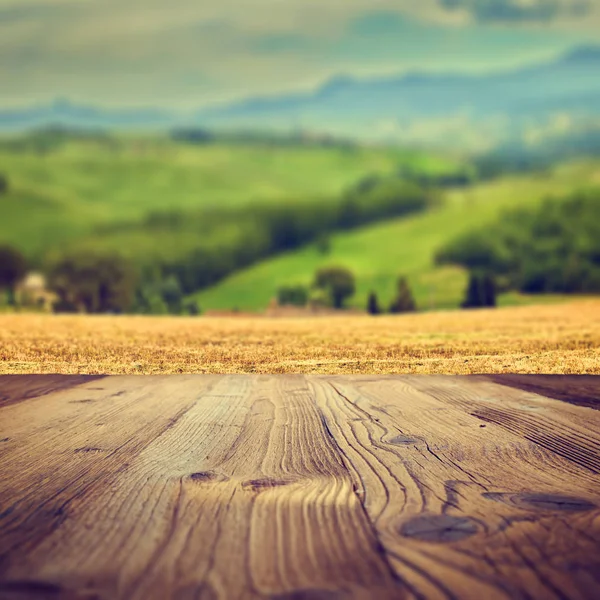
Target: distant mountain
{"x": 405, "y": 105}
{"x": 63, "y": 112}
{"x": 583, "y": 54}
{"x": 440, "y": 109}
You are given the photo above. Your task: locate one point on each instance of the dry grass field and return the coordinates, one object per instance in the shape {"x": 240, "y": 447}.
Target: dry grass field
{"x": 563, "y": 338}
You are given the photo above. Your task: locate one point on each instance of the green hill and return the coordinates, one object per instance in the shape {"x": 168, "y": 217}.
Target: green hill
{"x": 378, "y": 253}
{"x": 70, "y": 189}
{"x": 77, "y": 191}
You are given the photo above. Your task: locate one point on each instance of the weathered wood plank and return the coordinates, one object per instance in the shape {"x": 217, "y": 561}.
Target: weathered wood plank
{"x": 283, "y": 487}
{"x": 570, "y": 431}
{"x": 67, "y": 444}
{"x": 241, "y": 494}
{"x": 465, "y": 509}
{"x": 16, "y": 388}
{"x": 581, "y": 390}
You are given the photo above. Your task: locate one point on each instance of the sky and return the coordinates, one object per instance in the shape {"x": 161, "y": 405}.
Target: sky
{"x": 191, "y": 53}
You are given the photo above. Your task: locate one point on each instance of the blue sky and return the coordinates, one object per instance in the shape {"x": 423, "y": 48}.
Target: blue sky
{"x": 188, "y": 53}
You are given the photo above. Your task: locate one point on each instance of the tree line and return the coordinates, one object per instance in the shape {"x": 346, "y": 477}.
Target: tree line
{"x": 554, "y": 248}
{"x": 332, "y": 286}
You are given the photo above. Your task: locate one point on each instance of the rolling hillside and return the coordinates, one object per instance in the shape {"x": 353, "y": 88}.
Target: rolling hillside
{"x": 99, "y": 191}
{"x": 378, "y": 253}
{"x": 73, "y": 190}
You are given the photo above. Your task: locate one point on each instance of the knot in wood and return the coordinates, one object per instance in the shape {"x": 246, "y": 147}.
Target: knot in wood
{"x": 439, "y": 528}
{"x": 554, "y": 502}
{"x": 542, "y": 501}
{"x": 259, "y": 485}
{"x": 404, "y": 440}
{"x": 208, "y": 477}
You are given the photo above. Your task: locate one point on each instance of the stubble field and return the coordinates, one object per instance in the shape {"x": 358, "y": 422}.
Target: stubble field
{"x": 560, "y": 338}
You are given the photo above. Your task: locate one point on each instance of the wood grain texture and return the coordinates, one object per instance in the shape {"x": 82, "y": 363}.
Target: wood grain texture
{"x": 464, "y": 510}
{"x": 297, "y": 487}
{"x": 560, "y": 428}
{"x": 15, "y": 388}
{"x": 582, "y": 390}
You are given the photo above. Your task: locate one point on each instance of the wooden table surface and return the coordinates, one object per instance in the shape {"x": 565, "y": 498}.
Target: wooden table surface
{"x": 299, "y": 487}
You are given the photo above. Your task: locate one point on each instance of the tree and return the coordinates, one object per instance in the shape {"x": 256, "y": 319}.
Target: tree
{"x": 481, "y": 291}
{"x": 473, "y": 295}
{"x": 337, "y": 282}
{"x": 373, "y": 304}
{"x": 489, "y": 290}
{"x": 171, "y": 293}
{"x": 93, "y": 283}
{"x": 404, "y": 300}
{"x": 13, "y": 268}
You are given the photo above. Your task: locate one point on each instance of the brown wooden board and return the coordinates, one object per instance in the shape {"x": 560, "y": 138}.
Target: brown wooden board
{"x": 15, "y": 388}
{"x": 582, "y": 390}
{"x": 298, "y": 487}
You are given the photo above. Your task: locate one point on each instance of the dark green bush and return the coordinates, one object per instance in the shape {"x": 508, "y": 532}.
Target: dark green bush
{"x": 292, "y": 295}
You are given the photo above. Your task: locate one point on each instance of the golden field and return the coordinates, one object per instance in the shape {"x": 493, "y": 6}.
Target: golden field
{"x": 559, "y": 338}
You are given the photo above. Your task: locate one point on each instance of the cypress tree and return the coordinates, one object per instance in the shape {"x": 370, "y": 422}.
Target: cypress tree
{"x": 404, "y": 301}
{"x": 373, "y": 304}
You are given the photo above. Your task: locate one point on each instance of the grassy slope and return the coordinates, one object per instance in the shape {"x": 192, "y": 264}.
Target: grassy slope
{"x": 377, "y": 254}
{"x": 63, "y": 195}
